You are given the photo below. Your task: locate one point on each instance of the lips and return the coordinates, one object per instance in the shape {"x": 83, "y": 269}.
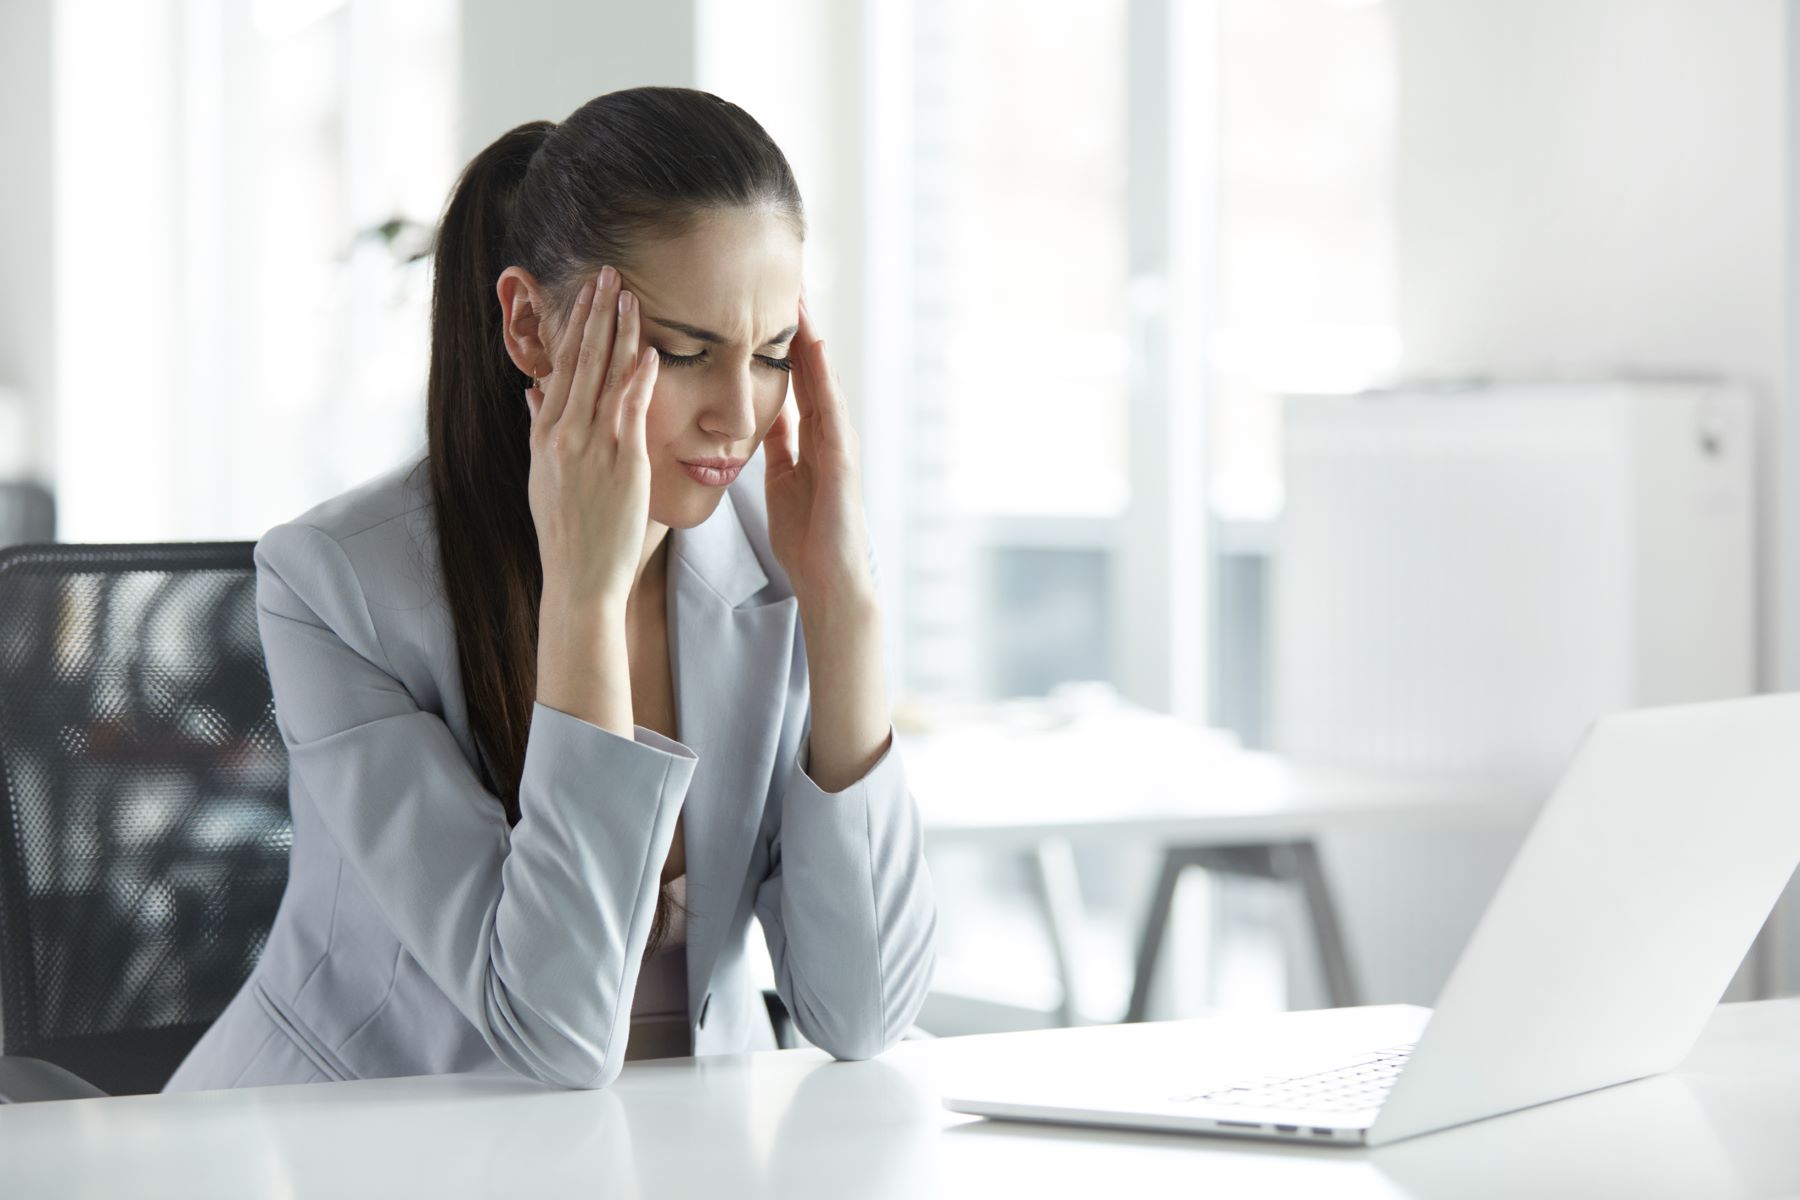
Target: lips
{"x": 713, "y": 476}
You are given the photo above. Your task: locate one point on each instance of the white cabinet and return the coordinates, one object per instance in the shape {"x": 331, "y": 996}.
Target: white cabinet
{"x": 1463, "y": 578}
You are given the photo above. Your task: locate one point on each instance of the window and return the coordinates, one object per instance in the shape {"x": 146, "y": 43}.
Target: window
{"x": 1306, "y": 287}
{"x": 1019, "y": 392}
{"x": 231, "y": 349}
{"x": 1092, "y": 253}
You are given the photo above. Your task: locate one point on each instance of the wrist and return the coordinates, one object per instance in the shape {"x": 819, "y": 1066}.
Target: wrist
{"x": 565, "y": 609}
{"x": 584, "y": 664}
{"x": 853, "y": 609}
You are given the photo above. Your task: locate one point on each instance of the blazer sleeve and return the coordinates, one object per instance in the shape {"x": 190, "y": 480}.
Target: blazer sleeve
{"x": 848, "y": 910}
{"x": 536, "y": 932}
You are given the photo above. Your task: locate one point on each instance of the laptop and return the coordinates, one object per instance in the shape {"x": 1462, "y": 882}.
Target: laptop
{"x": 1620, "y": 922}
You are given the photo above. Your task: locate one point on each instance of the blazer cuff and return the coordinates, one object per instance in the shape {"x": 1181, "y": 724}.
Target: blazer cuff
{"x": 646, "y": 736}
{"x": 542, "y": 713}
{"x": 565, "y": 751}
{"x": 874, "y": 778}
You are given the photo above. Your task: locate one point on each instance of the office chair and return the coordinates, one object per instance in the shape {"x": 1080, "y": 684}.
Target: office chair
{"x": 144, "y": 827}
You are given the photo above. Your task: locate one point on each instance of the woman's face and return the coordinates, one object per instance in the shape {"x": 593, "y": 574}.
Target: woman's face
{"x": 720, "y": 303}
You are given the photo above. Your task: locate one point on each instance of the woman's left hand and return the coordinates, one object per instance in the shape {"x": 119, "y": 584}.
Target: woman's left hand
{"x": 816, "y": 526}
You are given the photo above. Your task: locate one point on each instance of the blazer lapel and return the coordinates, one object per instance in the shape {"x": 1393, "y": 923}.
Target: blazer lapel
{"x": 729, "y": 666}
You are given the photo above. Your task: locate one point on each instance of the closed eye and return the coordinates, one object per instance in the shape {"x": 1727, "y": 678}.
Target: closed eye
{"x": 689, "y": 360}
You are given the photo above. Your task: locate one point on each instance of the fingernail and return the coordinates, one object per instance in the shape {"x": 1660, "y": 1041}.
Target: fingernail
{"x": 608, "y": 276}
{"x": 624, "y": 303}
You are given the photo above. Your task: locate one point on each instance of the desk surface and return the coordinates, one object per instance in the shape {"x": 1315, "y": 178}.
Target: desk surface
{"x": 1137, "y": 776}
{"x": 794, "y": 1124}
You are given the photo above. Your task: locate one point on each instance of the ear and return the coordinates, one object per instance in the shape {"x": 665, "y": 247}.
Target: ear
{"x": 524, "y": 309}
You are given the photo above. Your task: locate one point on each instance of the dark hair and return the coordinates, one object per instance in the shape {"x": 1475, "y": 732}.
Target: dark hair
{"x": 559, "y": 200}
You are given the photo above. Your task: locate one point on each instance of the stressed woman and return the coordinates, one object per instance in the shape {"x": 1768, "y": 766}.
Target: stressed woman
{"x": 574, "y": 693}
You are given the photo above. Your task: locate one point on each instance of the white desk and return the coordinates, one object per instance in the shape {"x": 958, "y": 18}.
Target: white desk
{"x": 1024, "y": 786}
{"x": 793, "y": 1124}
{"x": 1136, "y": 776}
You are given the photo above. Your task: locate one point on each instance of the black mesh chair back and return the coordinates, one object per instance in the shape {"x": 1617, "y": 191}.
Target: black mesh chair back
{"x": 144, "y": 825}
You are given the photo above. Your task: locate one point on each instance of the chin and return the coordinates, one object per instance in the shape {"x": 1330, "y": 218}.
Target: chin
{"x": 692, "y": 508}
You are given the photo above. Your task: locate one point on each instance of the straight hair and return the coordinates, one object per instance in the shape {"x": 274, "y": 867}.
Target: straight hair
{"x": 560, "y": 201}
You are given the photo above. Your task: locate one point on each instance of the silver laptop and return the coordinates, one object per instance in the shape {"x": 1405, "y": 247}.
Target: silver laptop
{"x": 1621, "y": 921}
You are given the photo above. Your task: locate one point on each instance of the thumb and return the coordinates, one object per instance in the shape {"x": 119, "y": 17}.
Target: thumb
{"x": 534, "y": 400}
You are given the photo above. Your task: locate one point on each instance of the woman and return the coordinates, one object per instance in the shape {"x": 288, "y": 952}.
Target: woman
{"x": 509, "y": 672}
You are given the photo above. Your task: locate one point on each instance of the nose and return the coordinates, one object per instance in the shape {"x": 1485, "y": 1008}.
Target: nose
{"x": 732, "y": 411}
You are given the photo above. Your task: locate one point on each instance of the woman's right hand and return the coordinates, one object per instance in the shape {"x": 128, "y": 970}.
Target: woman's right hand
{"x": 590, "y": 472}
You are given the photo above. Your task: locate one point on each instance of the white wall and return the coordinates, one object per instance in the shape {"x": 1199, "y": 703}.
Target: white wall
{"x": 1592, "y": 186}
{"x": 26, "y": 221}
{"x": 132, "y": 458}
{"x": 1595, "y": 186}
{"x": 528, "y": 60}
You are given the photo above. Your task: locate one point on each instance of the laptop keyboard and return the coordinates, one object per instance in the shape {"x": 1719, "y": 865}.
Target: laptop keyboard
{"x": 1362, "y": 1084}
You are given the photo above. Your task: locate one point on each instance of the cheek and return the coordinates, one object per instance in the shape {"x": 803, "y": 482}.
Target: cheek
{"x": 667, "y": 412}
{"x": 768, "y": 403}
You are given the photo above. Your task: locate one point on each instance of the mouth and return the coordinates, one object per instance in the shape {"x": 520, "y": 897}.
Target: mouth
{"x": 714, "y": 472}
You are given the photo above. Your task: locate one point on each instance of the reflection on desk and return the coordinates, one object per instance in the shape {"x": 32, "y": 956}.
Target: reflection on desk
{"x": 794, "y": 1124}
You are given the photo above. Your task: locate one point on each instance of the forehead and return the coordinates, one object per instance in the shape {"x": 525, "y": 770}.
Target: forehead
{"x": 735, "y": 273}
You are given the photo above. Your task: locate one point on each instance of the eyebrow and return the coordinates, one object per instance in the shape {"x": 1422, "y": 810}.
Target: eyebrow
{"x": 707, "y": 335}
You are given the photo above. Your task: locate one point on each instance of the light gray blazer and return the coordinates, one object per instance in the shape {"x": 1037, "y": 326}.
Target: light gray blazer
{"x": 418, "y": 934}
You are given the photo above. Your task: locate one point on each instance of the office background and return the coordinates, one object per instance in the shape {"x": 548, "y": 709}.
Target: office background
{"x": 1075, "y": 270}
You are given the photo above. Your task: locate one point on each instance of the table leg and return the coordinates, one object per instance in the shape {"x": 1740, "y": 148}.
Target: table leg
{"x": 1302, "y": 866}
{"x": 1156, "y": 924}
{"x": 1052, "y": 866}
{"x": 1293, "y": 862}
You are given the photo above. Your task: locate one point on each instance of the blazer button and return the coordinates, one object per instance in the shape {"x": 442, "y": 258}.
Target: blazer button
{"x": 703, "y": 1006}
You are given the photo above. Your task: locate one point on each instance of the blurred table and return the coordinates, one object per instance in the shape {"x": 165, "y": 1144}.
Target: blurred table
{"x": 1029, "y": 780}
{"x": 795, "y": 1125}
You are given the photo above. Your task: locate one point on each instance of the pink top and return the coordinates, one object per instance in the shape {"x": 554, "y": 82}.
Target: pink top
{"x": 659, "y": 1008}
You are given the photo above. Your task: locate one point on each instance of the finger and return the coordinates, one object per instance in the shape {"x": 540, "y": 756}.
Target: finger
{"x": 623, "y": 364}
{"x": 778, "y": 449}
{"x": 813, "y": 332}
{"x": 534, "y": 402}
{"x": 594, "y": 351}
{"x": 808, "y": 331}
{"x": 834, "y": 410}
{"x": 556, "y": 393}
{"x": 800, "y": 353}
{"x": 636, "y": 401}
{"x": 830, "y": 432}
{"x": 814, "y": 396}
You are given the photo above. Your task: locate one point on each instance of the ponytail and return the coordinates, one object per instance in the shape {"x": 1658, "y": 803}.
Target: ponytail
{"x": 473, "y": 436}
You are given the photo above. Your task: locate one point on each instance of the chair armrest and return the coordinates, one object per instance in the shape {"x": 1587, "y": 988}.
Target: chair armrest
{"x": 24, "y": 1080}
{"x": 786, "y": 1036}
